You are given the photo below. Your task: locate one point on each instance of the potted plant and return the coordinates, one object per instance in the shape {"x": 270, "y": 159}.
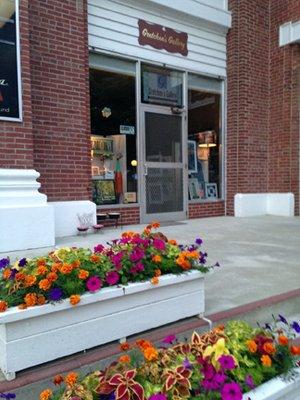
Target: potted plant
{"x": 113, "y": 288}
{"x": 230, "y": 362}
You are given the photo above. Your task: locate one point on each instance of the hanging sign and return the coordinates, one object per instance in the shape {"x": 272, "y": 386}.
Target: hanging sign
{"x": 161, "y": 37}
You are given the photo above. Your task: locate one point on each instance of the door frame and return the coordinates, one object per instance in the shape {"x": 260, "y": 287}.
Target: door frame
{"x": 143, "y": 165}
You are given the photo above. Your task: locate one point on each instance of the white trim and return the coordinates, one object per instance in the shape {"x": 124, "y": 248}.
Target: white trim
{"x": 289, "y": 33}
{"x": 19, "y": 78}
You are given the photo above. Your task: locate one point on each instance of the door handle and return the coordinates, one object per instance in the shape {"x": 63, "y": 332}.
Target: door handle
{"x": 146, "y": 170}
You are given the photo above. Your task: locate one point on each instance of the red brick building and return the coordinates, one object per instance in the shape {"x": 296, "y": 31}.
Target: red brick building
{"x": 214, "y": 114}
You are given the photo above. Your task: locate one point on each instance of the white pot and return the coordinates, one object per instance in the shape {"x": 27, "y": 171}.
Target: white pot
{"x": 276, "y": 389}
{"x": 44, "y": 333}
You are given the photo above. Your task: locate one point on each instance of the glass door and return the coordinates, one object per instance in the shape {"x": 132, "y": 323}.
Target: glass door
{"x": 162, "y": 165}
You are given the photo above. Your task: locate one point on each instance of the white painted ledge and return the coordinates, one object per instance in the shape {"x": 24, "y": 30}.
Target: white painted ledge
{"x": 276, "y": 389}
{"x": 66, "y": 215}
{"x": 255, "y": 204}
{"x": 26, "y": 219}
{"x": 289, "y": 33}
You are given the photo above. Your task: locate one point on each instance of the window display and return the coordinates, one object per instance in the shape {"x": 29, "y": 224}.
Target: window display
{"x": 204, "y": 144}
{"x": 113, "y": 127}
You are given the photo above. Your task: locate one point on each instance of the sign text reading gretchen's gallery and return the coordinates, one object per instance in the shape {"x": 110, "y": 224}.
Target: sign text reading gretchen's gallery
{"x": 160, "y": 37}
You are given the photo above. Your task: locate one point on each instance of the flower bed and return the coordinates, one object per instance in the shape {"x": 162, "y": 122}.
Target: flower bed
{"x": 219, "y": 365}
{"x": 113, "y": 288}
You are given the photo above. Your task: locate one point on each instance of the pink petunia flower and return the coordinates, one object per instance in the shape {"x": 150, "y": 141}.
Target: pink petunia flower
{"x": 231, "y": 391}
{"x": 94, "y": 283}
{"x": 99, "y": 248}
{"x": 159, "y": 244}
{"x": 112, "y": 277}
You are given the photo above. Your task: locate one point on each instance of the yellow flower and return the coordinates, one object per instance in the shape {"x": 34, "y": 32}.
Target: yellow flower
{"x": 216, "y": 351}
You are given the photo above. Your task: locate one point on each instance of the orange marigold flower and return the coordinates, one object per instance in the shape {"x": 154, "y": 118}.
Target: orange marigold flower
{"x": 3, "y": 305}
{"x": 55, "y": 267}
{"x": 266, "y": 360}
{"x": 74, "y": 299}
{"x": 45, "y": 394}
{"x": 71, "y": 378}
{"x": 252, "y": 346}
{"x": 94, "y": 258}
{"x": 125, "y": 346}
{"x": 30, "y": 280}
{"x": 143, "y": 344}
{"x": 269, "y": 348}
{"x": 124, "y": 359}
{"x": 83, "y": 274}
{"x": 66, "y": 269}
{"x": 42, "y": 270}
{"x": 155, "y": 224}
{"x": 150, "y": 353}
{"x": 283, "y": 340}
{"x": 295, "y": 350}
{"x": 193, "y": 254}
{"x": 128, "y": 234}
{"x": 172, "y": 241}
{"x": 76, "y": 264}
{"x": 183, "y": 263}
{"x": 41, "y": 300}
{"x": 156, "y": 259}
{"x": 52, "y": 276}
{"x": 157, "y": 272}
{"x": 58, "y": 380}
{"x": 22, "y": 306}
{"x": 45, "y": 284}
{"x": 30, "y": 299}
{"x": 6, "y": 273}
{"x": 20, "y": 276}
{"x": 155, "y": 280}
{"x": 41, "y": 262}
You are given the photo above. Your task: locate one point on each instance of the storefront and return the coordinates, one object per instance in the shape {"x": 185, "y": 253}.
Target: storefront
{"x": 157, "y": 115}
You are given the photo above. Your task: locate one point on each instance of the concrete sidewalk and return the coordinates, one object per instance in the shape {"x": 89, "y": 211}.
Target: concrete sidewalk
{"x": 260, "y": 256}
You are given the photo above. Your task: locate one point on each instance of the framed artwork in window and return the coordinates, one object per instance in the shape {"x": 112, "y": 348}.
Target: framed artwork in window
{"x": 194, "y": 189}
{"x": 211, "y": 191}
{"x": 104, "y": 191}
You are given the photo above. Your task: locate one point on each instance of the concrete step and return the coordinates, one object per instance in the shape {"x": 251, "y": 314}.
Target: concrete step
{"x": 31, "y": 382}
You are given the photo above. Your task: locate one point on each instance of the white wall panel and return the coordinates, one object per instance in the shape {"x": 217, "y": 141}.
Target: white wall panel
{"x": 113, "y": 27}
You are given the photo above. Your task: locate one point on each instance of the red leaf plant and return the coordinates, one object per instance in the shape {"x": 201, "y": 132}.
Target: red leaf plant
{"x": 177, "y": 381}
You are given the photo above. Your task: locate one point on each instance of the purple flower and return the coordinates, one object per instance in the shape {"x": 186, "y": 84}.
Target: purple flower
{"x": 139, "y": 267}
{"x": 282, "y": 319}
{"x": 136, "y": 255}
{"x": 99, "y": 248}
{"x": 13, "y": 272}
{"x": 169, "y": 339}
{"x": 7, "y": 396}
{"x": 112, "y": 278}
{"x": 158, "y": 396}
{"x": 198, "y": 241}
{"x": 249, "y": 381}
{"x": 219, "y": 378}
{"x": 231, "y": 391}
{"x": 186, "y": 363}
{"x": 4, "y": 262}
{"x": 22, "y": 262}
{"x": 296, "y": 326}
{"x": 208, "y": 371}
{"x": 159, "y": 244}
{"x": 267, "y": 326}
{"x": 226, "y": 362}
{"x": 94, "y": 283}
{"x": 55, "y": 294}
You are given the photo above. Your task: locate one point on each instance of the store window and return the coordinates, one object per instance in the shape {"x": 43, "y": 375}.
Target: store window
{"x": 10, "y": 91}
{"x": 204, "y": 138}
{"x": 113, "y": 131}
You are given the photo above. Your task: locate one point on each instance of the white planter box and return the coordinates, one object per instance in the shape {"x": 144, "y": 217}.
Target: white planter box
{"x": 276, "y": 389}
{"x": 40, "y": 334}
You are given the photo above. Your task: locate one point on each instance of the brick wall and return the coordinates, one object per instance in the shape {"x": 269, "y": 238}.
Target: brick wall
{"x": 129, "y": 215}
{"x": 60, "y": 97}
{"x": 283, "y": 150}
{"x": 247, "y": 103}
{"x": 263, "y": 103}
{"x": 16, "y": 143}
{"x": 200, "y": 210}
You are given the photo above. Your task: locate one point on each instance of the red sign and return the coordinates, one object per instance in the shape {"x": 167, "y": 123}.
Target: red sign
{"x": 160, "y": 37}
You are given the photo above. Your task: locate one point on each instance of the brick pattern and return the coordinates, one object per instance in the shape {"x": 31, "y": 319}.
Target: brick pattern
{"x": 263, "y": 100}
{"x": 200, "y": 210}
{"x": 60, "y": 97}
{"x": 129, "y": 215}
{"x": 16, "y": 144}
